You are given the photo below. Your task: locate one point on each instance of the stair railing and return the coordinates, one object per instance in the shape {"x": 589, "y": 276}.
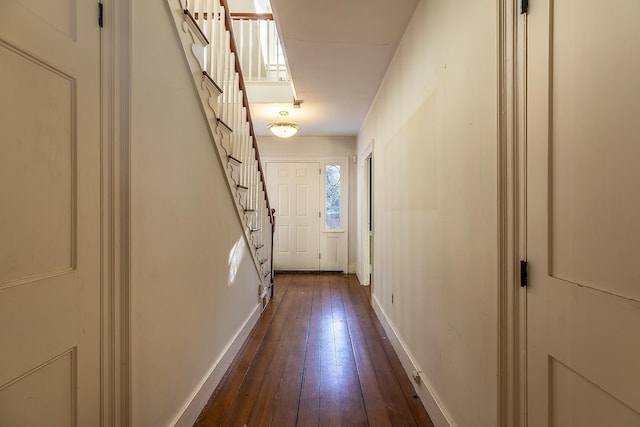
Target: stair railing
{"x": 261, "y": 54}
{"x": 206, "y": 32}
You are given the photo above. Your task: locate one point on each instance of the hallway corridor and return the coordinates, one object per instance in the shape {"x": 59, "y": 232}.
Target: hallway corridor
{"x": 317, "y": 357}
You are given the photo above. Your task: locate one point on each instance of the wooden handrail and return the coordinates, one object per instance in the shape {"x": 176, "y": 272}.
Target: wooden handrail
{"x": 247, "y": 16}
{"x": 245, "y": 100}
{"x": 193, "y": 19}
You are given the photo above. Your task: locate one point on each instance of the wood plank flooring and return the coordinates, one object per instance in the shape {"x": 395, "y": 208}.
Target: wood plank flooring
{"x": 317, "y": 357}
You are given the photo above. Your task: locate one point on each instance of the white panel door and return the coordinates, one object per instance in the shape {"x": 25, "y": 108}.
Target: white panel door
{"x": 294, "y": 189}
{"x": 583, "y": 228}
{"x": 49, "y": 213}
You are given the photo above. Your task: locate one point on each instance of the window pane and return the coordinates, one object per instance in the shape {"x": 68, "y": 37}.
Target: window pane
{"x": 332, "y": 196}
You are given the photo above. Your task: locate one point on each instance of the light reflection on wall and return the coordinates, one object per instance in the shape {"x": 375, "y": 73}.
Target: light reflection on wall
{"x": 235, "y": 256}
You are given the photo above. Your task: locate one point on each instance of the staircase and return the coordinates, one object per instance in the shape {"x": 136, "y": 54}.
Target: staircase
{"x": 206, "y": 33}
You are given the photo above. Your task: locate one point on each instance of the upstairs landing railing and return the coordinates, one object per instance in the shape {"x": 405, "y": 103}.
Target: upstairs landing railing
{"x": 206, "y": 32}
{"x": 261, "y": 55}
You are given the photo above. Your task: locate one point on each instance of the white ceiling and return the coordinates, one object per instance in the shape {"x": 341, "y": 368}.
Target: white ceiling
{"x": 338, "y": 52}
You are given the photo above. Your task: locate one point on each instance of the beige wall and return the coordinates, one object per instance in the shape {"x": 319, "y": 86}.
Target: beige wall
{"x": 312, "y": 147}
{"x": 186, "y": 304}
{"x": 433, "y": 124}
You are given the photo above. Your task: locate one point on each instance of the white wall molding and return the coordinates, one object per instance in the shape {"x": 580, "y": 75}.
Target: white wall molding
{"x": 511, "y": 221}
{"x": 363, "y": 261}
{"x": 425, "y": 391}
{"x": 194, "y": 405}
{"x": 116, "y": 200}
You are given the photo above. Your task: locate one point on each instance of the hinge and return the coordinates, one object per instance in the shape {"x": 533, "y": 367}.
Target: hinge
{"x": 319, "y": 214}
{"x": 524, "y": 7}
{"x": 100, "y": 15}
{"x": 524, "y": 273}
{"x": 319, "y": 256}
{"x": 320, "y": 171}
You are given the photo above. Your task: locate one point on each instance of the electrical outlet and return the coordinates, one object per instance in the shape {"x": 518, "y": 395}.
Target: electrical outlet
{"x": 416, "y": 376}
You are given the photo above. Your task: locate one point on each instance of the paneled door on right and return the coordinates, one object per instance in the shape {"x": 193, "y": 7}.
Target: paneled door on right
{"x": 583, "y": 213}
{"x": 294, "y": 190}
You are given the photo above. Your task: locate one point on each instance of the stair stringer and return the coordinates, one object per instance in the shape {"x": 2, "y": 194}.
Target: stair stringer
{"x": 194, "y": 44}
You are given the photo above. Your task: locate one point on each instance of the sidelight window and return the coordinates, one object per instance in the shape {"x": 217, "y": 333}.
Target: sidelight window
{"x": 332, "y": 196}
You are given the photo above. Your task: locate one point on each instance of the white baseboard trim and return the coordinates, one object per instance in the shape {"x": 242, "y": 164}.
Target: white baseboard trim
{"x": 424, "y": 390}
{"x": 200, "y": 396}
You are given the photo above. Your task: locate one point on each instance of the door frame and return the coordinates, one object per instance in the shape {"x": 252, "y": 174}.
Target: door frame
{"x": 323, "y": 160}
{"x": 366, "y": 216}
{"x": 115, "y": 375}
{"x": 512, "y": 238}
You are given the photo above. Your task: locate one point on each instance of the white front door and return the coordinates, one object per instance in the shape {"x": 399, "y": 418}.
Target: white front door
{"x": 294, "y": 189}
{"x": 583, "y": 213}
{"x": 49, "y": 213}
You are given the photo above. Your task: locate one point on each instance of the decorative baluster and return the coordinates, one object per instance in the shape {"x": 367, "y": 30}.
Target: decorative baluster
{"x": 232, "y": 105}
{"x": 213, "y": 30}
{"x": 230, "y": 77}
{"x": 200, "y": 13}
{"x": 230, "y": 94}
{"x": 227, "y": 84}
{"x": 223, "y": 77}
{"x": 248, "y": 154}
{"x": 219, "y": 43}
{"x": 237, "y": 110}
{"x": 243, "y": 148}
{"x": 256, "y": 179}
{"x": 250, "y": 53}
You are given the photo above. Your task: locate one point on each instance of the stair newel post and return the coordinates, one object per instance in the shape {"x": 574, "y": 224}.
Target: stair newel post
{"x": 271, "y": 237}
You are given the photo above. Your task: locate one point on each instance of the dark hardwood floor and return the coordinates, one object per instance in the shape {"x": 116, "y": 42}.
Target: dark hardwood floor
{"x": 317, "y": 357}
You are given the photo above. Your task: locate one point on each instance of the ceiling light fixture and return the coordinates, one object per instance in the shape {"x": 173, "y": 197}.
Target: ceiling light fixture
{"x": 282, "y": 126}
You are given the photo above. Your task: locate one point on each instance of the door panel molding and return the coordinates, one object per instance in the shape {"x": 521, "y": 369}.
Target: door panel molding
{"x": 582, "y": 306}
